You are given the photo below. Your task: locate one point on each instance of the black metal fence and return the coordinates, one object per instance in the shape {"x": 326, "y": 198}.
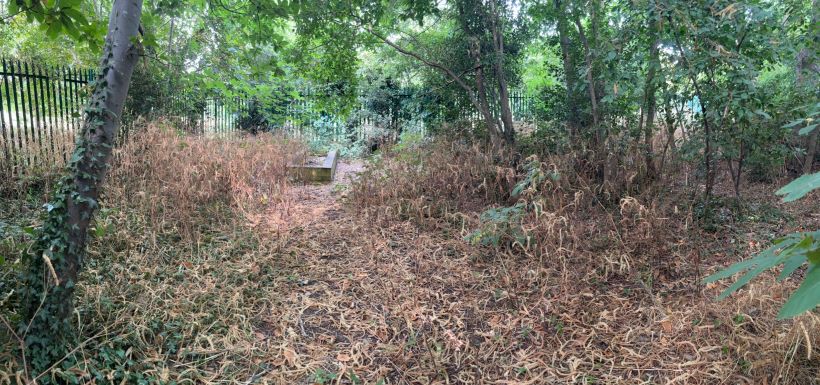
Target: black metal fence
{"x": 40, "y": 112}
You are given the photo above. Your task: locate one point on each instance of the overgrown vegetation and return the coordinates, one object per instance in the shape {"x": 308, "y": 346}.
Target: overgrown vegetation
{"x": 549, "y": 191}
{"x": 192, "y": 209}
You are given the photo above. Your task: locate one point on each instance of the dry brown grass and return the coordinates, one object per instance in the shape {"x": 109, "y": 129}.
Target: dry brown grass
{"x": 35, "y": 167}
{"x": 603, "y": 293}
{"x": 174, "y": 276}
{"x": 436, "y": 181}
{"x": 178, "y": 180}
{"x": 607, "y": 293}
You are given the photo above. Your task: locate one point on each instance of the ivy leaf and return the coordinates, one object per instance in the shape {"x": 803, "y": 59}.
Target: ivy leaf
{"x": 799, "y": 187}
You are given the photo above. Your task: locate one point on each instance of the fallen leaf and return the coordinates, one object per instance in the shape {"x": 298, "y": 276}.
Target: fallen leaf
{"x": 667, "y": 326}
{"x": 290, "y": 356}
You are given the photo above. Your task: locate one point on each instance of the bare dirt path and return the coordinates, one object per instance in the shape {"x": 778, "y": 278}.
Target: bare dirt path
{"x": 310, "y": 204}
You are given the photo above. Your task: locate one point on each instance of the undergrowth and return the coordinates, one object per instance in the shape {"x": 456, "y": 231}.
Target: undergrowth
{"x": 457, "y": 268}
{"x": 543, "y": 215}
{"x": 169, "y": 289}
{"x": 181, "y": 181}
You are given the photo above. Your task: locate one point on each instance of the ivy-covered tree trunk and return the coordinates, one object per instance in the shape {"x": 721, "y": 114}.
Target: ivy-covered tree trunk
{"x": 56, "y": 260}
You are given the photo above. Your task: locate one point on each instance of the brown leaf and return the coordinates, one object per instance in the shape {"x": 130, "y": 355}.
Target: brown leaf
{"x": 667, "y": 326}
{"x": 341, "y": 357}
{"x": 290, "y": 356}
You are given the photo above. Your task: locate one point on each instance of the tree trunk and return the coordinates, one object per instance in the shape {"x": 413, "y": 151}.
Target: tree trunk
{"x": 483, "y": 104}
{"x": 599, "y": 156}
{"x": 501, "y": 77}
{"x": 569, "y": 72}
{"x": 56, "y": 260}
{"x": 593, "y": 98}
{"x": 811, "y": 151}
{"x": 649, "y": 95}
{"x": 707, "y": 131}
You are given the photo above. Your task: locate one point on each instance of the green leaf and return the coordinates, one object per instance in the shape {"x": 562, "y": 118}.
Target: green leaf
{"x": 763, "y": 114}
{"x": 54, "y": 29}
{"x": 744, "y": 280}
{"x": 814, "y": 255}
{"x": 799, "y": 187}
{"x": 806, "y": 297}
{"x": 806, "y": 130}
{"x": 764, "y": 257}
{"x": 29, "y": 230}
{"x": 76, "y": 15}
{"x": 12, "y": 7}
{"x": 791, "y": 265}
{"x": 794, "y": 123}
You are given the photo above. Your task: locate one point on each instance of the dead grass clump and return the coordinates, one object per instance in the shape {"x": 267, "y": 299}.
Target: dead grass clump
{"x": 175, "y": 278}
{"x": 181, "y": 181}
{"x": 35, "y": 167}
{"x": 608, "y": 285}
{"x": 431, "y": 182}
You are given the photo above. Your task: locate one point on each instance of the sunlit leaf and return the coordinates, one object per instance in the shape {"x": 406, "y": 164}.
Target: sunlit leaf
{"x": 799, "y": 187}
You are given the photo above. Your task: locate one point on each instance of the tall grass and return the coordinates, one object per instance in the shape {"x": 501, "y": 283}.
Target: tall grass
{"x": 431, "y": 181}
{"x": 174, "y": 275}
{"x": 182, "y": 182}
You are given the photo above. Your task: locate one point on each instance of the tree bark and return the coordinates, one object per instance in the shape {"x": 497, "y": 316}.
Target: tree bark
{"x": 57, "y": 259}
{"x": 501, "y": 77}
{"x": 481, "y": 91}
{"x": 593, "y": 99}
{"x": 649, "y": 95}
{"x": 811, "y": 151}
{"x": 599, "y": 155}
{"x": 569, "y": 72}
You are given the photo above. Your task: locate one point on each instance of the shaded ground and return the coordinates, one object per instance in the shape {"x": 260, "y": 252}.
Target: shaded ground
{"x": 397, "y": 305}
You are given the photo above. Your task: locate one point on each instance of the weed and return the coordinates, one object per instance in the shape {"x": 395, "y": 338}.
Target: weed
{"x": 322, "y": 376}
